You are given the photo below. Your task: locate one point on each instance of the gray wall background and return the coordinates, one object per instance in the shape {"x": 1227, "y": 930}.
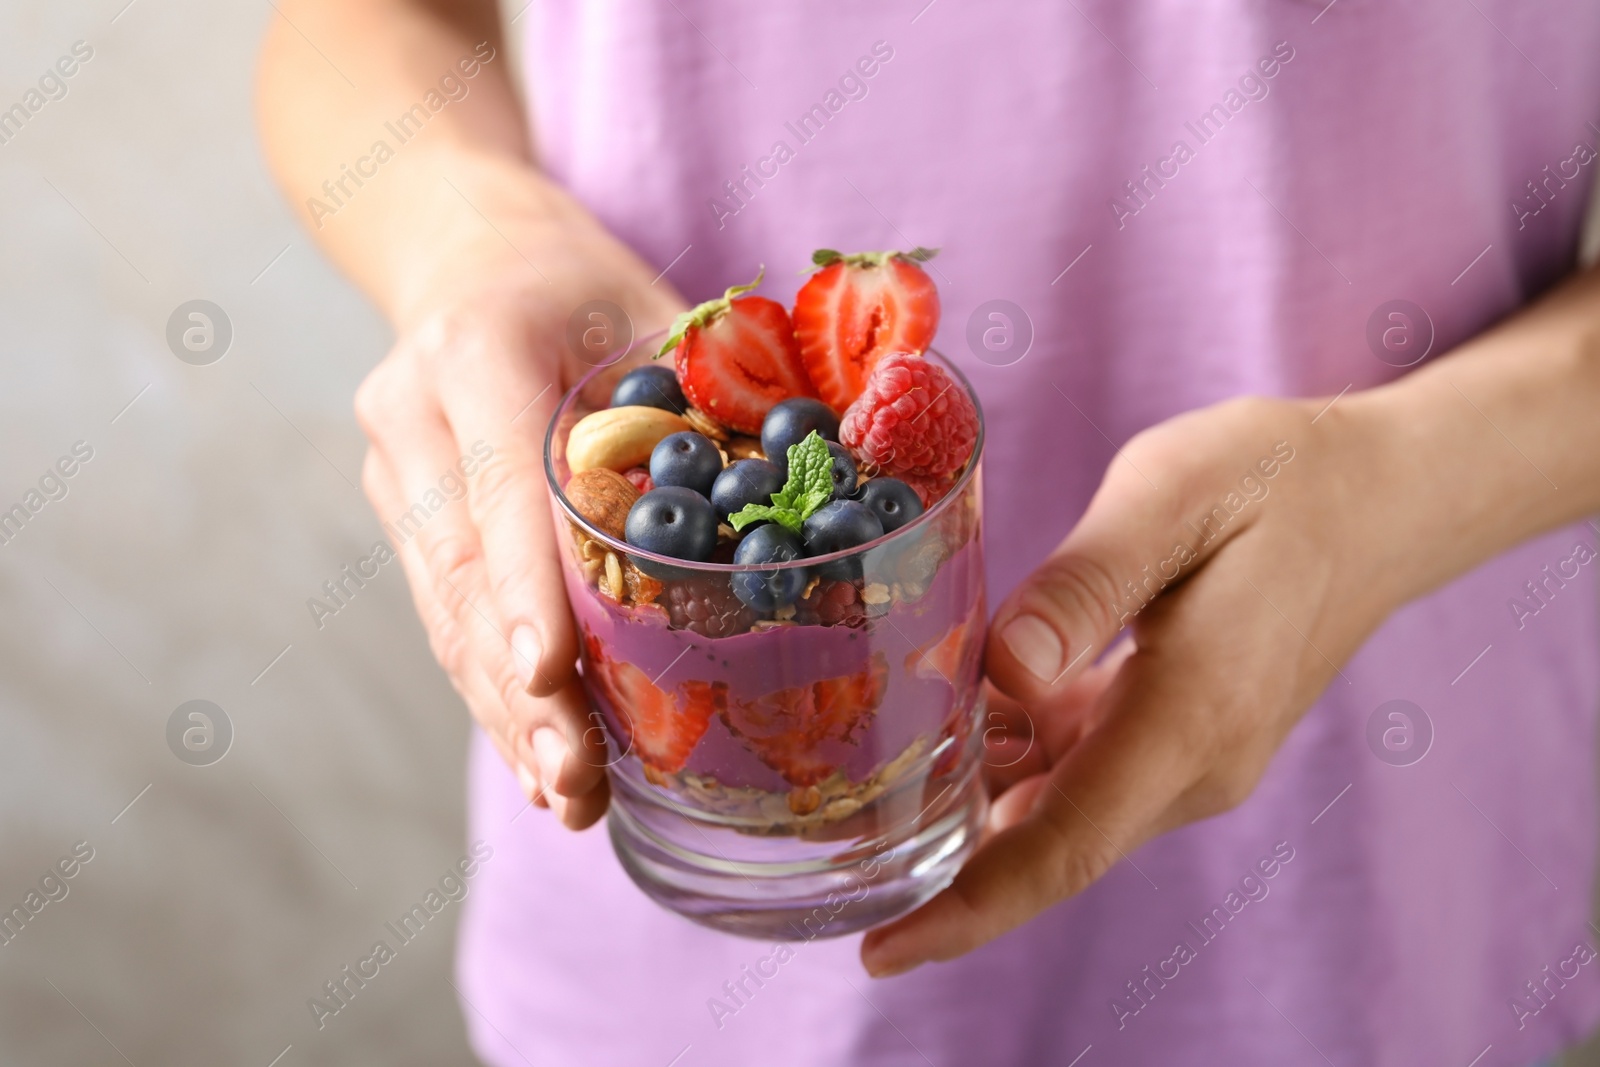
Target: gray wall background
{"x": 177, "y": 568}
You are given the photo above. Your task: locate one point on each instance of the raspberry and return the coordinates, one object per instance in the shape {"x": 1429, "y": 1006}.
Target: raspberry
{"x": 640, "y": 477}
{"x": 708, "y": 607}
{"x": 930, "y": 489}
{"x": 913, "y": 418}
{"x": 831, "y": 604}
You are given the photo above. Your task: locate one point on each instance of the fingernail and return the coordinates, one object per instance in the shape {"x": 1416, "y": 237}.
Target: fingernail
{"x": 877, "y": 967}
{"x": 525, "y": 650}
{"x": 1035, "y": 645}
{"x": 530, "y": 784}
{"x": 550, "y": 752}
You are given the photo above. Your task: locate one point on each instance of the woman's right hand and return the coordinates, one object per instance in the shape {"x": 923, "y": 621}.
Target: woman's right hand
{"x": 480, "y": 363}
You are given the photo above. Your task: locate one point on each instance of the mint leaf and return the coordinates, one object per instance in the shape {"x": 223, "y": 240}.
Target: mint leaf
{"x": 810, "y": 483}
{"x": 786, "y": 517}
{"x": 809, "y": 486}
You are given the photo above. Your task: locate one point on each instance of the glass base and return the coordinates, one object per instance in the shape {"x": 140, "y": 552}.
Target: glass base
{"x": 784, "y": 888}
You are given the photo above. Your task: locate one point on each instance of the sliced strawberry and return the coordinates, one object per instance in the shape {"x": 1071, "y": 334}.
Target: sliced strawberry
{"x": 944, "y": 658}
{"x": 662, "y": 728}
{"x": 856, "y": 310}
{"x": 787, "y": 727}
{"x": 737, "y": 356}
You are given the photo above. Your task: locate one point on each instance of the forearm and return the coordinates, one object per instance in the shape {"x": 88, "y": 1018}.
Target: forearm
{"x": 338, "y": 79}
{"x": 1492, "y": 444}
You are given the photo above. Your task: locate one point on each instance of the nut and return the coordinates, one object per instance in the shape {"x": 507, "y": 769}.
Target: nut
{"x": 803, "y": 800}
{"x": 603, "y": 497}
{"x": 700, "y": 421}
{"x": 742, "y": 447}
{"x": 611, "y": 585}
{"x": 619, "y": 438}
{"x": 875, "y": 593}
{"x": 639, "y": 586}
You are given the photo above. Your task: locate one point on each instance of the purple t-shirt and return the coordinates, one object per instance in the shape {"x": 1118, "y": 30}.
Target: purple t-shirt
{"x": 1189, "y": 203}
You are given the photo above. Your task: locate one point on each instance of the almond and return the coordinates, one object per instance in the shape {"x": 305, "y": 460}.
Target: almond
{"x": 603, "y": 497}
{"x": 619, "y": 438}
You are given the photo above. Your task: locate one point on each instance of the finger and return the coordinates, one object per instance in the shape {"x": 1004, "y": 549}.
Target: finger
{"x": 1182, "y": 735}
{"x": 1107, "y": 796}
{"x": 1165, "y": 506}
{"x": 562, "y": 756}
{"x": 443, "y": 632}
{"x": 498, "y": 399}
{"x": 1021, "y": 743}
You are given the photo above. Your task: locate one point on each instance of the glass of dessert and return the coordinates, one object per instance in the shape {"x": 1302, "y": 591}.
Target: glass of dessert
{"x": 773, "y": 558}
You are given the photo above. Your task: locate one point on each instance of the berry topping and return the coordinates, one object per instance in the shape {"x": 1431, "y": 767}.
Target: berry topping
{"x": 835, "y": 527}
{"x": 771, "y": 589}
{"x": 671, "y": 521}
{"x": 840, "y": 525}
{"x": 808, "y": 487}
{"x": 747, "y": 481}
{"x": 797, "y": 731}
{"x": 651, "y": 386}
{"x": 707, "y": 606}
{"x": 930, "y": 488}
{"x": 790, "y": 422}
{"x": 688, "y": 459}
{"x": 842, "y": 470}
{"x": 858, "y": 309}
{"x": 737, "y": 357}
{"x": 661, "y": 727}
{"x": 640, "y": 477}
{"x": 892, "y": 500}
{"x": 913, "y": 418}
{"x": 833, "y": 603}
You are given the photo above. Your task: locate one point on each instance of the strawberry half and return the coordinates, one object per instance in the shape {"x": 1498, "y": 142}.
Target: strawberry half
{"x": 858, "y": 309}
{"x": 737, "y": 356}
{"x": 786, "y": 728}
{"x": 661, "y": 727}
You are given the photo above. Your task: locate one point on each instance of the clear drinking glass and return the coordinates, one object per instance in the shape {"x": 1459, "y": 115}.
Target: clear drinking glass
{"x": 784, "y": 777}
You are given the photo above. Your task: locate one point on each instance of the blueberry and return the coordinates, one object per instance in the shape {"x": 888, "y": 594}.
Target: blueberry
{"x": 844, "y": 471}
{"x": 837, "y": 526}
{"x": 788, "y": 423}
{"x": 671, "y": 521}
{"x": 651, "y": 386}
{"x": 769, "y": 590}
{"x": 893, "y": 501}
{"x": 688, "y": 459}
{"x": 746, "y": 481}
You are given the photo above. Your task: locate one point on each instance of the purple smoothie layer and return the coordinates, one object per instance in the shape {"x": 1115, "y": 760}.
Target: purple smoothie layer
{"x": 917, "y": 700}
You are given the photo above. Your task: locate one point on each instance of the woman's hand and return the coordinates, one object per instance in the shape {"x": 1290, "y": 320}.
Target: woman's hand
{"x": 1249, "y": 549}
{"x": 479, "y": 261}
{"x": 1233, "y": 543}
{"x": 481, "y": 361}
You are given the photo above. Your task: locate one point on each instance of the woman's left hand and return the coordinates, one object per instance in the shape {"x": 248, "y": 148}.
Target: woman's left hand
{"x": 1249, "y": 548}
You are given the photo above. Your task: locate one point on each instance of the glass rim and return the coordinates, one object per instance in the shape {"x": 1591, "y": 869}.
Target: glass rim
{"x": 930, "y": 514}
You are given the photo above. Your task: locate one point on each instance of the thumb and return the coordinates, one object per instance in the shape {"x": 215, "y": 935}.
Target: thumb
{"x": 1134, "y": 542}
